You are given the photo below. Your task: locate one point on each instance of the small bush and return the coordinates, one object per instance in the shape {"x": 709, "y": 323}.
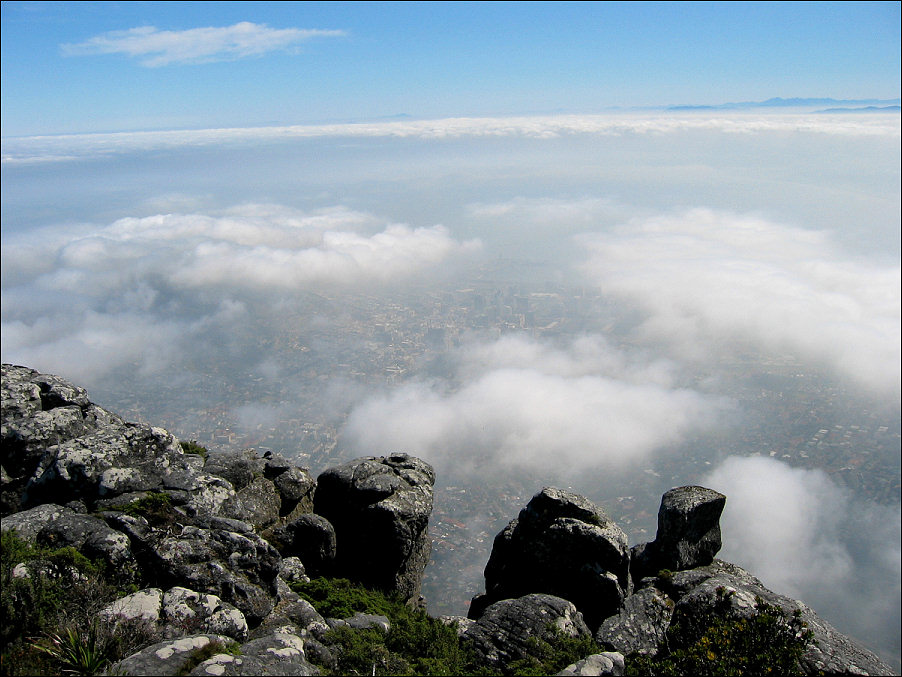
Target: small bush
{"x": 770, "y": 642}
{"x": 340, "y": 598}
{"x": 57, "y": 600}
{"x": 550, "y": 656}
{"x": 416, "y": 644}
{"x": 194, "y": 448}
{"x": 155, "y": 507}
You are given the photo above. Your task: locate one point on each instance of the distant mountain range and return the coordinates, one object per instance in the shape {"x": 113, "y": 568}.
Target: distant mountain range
{"x": 831, "y": 105}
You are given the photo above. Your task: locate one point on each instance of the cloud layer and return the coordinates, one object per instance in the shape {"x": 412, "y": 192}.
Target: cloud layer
{"x": 138, "y": 289}
{"x": 712, "y": 281}
{"x": 805, "y": 537}
{"x": 72, "y": 146}
{"x": 155, "y": 47}
{"x": 521, "y": 404}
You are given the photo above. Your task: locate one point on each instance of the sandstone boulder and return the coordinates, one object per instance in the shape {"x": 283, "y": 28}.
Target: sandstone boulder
{"x": 688, "y": 533}
{"x": 596, "y": 665}
{"x": 379, "y": 508}
{"x": 504, "y": 631}
{"x": 561, "y": 544}
{"x": 309, "y": 537}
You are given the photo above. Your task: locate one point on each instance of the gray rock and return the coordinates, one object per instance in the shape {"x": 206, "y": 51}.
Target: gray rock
{"x": 121, "y": 459}
{"x": 239, "y": 468}
{"x": 735, "y": 595}
{"x": 309, "y": 537}
{"x": 503, "y": 633}
{"x": 296, "y": 489}
{"x": 275, "y": 654}
{"x": 39, "y": 411}
{"x": 185, "y": 611}
{"x": 240, "y": 568}
{"x": 297, "y": 613}
{"x": 165, "y": 658}
{"x": 460, "y": 623}
{"x": 257, "y": 504}
{"x": 94, "y": 539}
{"x": 607, "y": 663}
{"x": 380, "y": 510}
{"x": 688, "y": 533}
{"x": 640, "y": 626}
{"x": 144, "y": 605}
{"x": 361, "y": 621}
{"x": 561, "y": 544}
{"x": 28, "y": 523}
{"x": 292, "y": 570}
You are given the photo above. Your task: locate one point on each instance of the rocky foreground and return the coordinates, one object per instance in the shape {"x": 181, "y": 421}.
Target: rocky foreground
{"x": 246, "y": 526}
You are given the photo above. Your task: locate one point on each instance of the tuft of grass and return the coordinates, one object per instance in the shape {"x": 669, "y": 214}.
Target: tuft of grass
{"x": 155, "y": 507}
{"x": 206, "y": 652}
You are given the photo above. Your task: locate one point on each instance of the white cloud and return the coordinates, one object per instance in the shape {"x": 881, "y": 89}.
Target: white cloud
{"x": 156, "y": 47}
{"x": 805, "y": 537}
{"x": 141, "y": 291}
{"x": 29, "y": 150}
{"x": 525, "y": 405}
{"x": 711, "y": 280}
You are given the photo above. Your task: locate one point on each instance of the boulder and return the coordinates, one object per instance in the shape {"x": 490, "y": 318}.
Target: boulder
{"x": 39, "y": 411}
{"x": 379, "y": 508}
{"x": 257, "y": 504}
{"x": 504, "y": 631}
{"x": 640, "y": 626}
{"x": 165, "y": 658}
{"x": 276, "y": 654}
{"x": 596, "y": 665}
{"x": 28, "y": 523}
{"x": 309, "y": 537}
{"x": 121, "y": 459}
{"x": 239, "y": 468}
{"x": 688, "y": 533}
{"x": 296, "y": 489}
{"x": 178, "y": 612}
{"x": 94, "y": 539}
{"x": 240, "y": 568}
{"x": 734, "y": 593}
{"x": 561, "y": 544}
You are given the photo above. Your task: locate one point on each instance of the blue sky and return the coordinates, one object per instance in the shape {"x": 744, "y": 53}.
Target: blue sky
{"x": 372, "y": 60}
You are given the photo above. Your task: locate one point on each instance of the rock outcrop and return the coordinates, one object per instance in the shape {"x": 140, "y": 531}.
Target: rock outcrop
{"x": 688, "y": 532}
{"x": 214, "y": 544}
{"x": 379, "y": 508}
{"x": 561, "y": 544}
{"x": 505, "y": 630}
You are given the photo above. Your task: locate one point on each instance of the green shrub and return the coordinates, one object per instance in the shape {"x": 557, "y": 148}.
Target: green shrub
{"x": 550, "y": 656}
{"x": 340, "y": 598}
{"x": 58, "y": 600}
{"x": 193, "y": 447}
{"x": 155, "y": 507}
{"x": 416, "y": 644}
{"x": 770, "y": 642}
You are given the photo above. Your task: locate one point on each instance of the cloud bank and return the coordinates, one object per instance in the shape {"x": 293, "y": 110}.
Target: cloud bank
{"x": 37, "y": 149}
{"x": 135, "y": 292}
{"x": 521, "y": 404}
{"x": 155, "y": 47}
{"x": 711, "y": 281}
{"x": 805, "y": 537}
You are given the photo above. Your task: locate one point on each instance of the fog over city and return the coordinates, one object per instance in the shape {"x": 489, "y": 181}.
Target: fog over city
{"x": 616, "y": 304}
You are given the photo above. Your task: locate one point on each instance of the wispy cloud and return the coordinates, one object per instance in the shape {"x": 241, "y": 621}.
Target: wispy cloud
{"x": 155, "y": 47}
